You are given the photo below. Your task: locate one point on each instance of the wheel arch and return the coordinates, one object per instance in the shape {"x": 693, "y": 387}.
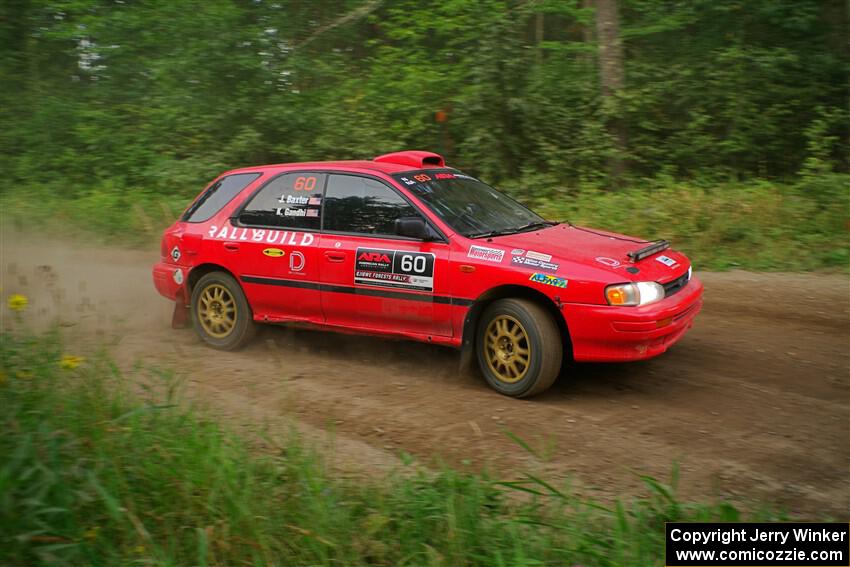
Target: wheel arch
{"x": 201, "y": 270}
{"x": 244, "y": 326}
{"x": 470, "y": 322}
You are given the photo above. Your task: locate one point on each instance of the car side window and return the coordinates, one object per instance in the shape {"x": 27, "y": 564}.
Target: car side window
{"x": 217, "y": 196}
{"x": 291, "y": 200}
{"x": 363, "y": 205}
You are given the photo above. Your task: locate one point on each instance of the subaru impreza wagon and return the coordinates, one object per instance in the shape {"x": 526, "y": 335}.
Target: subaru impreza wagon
{"x": 405, "y": 246}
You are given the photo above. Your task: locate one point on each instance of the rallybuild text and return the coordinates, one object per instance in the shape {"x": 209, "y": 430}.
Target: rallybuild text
{"x": 740, "y": 544}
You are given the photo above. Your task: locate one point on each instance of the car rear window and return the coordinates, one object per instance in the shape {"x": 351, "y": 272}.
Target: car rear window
{"x": 291, "y": 200}
{"x": 217, "y": 196}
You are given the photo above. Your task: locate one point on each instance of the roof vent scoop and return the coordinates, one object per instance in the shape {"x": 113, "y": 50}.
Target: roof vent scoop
{"x": 413, "y": 158}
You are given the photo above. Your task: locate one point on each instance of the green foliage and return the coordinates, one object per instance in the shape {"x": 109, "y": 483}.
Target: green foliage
{"x": 96, "y": 91}
{"x": 93, "y": 475}
{"x": 116, "y": 114}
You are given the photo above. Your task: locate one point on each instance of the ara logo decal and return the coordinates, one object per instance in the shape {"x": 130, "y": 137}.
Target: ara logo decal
{"x": 548, "y": 280}
{"x": 377, "y": 257}
{"x": 402, "y": 269}
{"x": 274, "y": 252}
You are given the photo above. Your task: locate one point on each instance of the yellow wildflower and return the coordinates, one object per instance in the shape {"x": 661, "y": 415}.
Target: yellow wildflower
{"x": 17, "y": 302}
{"x": 91, "y": 533}
{"x": 69, "y": 361}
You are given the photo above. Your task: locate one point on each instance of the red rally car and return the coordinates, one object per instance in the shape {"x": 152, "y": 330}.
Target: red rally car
{"x": 404, "y": 246}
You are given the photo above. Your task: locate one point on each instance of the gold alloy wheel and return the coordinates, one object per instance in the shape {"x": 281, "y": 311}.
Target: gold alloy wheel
{"x": 507, "y": 349}
{"x": 217, "y": 311}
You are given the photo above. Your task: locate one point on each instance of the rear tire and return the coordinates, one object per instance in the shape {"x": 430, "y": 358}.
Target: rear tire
{"x": 519, "y": 347}
{"x": 221, "y": 315}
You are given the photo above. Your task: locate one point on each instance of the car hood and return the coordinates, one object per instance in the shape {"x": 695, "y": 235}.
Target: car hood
{"x": 605, "y": 252}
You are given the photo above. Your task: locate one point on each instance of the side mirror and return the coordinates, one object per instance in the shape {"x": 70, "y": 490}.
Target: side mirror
{"x": 413, "y": 227}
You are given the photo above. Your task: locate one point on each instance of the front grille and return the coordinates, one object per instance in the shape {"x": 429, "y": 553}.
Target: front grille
{"x": 676, "y": 285}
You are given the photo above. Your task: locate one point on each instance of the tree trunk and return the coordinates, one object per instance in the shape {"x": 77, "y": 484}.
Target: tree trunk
{"x": 587, "y": 30}
{"x": 538, "y": 36}
{"x": 611, "y": 77}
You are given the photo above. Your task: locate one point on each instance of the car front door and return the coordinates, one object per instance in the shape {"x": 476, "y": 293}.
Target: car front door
{"x": 276, "y": 236}
{"x": 373, "y": 279}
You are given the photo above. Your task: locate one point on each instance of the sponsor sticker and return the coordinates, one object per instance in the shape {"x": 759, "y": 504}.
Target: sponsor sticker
{"x": 261, "y": 235}
{"x": 486, "y": 254}
{"x": 394, "y": 268}
{"x": 534, "y": 263}
{"x": 667, "y": 261}
{"x": 517, "y": 252}
{"x": 538, "y": 256}
{"x": 178, "y": 276}
{"x": 296, "y": 261}
{"x": 608, "y": 261}
{"x": 175, "y": 254}
{"x": 546, "y": 279}
{"x": 274, "y": 252}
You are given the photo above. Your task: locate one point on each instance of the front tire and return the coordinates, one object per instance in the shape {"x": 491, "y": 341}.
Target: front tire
{"x": 519, "y": 347}
{"x": 221, "y": 315}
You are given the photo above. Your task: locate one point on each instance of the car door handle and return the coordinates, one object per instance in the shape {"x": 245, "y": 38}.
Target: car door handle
{"x": 335, "y": 256}
{"x": 231, "y": 246}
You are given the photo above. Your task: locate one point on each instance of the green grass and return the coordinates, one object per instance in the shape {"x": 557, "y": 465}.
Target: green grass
{"x": 757, "y": 225}
{"x": 93, "y": 475}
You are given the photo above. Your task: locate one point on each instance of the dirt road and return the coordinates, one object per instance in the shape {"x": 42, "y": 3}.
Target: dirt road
{"x": 754, "y": 403}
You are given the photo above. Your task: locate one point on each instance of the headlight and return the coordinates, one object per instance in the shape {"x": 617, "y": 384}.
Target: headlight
{"x": 640, "y": 293}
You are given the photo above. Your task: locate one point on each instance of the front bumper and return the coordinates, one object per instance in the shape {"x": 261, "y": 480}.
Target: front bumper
{"x": 604, "y": 333}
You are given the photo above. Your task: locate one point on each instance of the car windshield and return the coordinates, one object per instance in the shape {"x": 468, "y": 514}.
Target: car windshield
{"x": 469, "y": 206}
